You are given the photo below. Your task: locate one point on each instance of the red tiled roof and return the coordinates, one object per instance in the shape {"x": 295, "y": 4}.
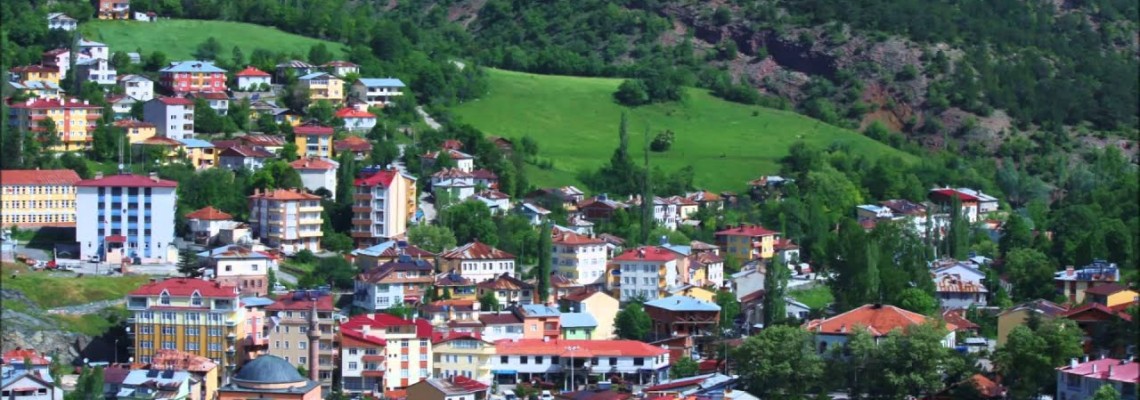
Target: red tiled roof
{"x": 986, "y": 387}
{"x": 647, "y": 253}
{"x": 1097, "y": 308}
{"x": 451, "y": 173}
{"x": 705, "y": 258}
{"x": 505, "y": 282}
{"x": 958, "y": 319}
{"x": 476, "y": 251}
{"x": 349, "y": 112}
{"x": 350, "y": 338}
{"x": 454, "y": 154}
{"x": 357, "y": 323}
{"x": 458, "y": 304}
{"x": 209, "y": 214}
{"x": 286, "y": 302}
{"x": 506, "y": 318}
{"x": 746, "y": 230}
{"x": 381, "y": 178}
{"x": 440, "y": 337}
{"x": 1120, "y": 371}
{"x": 126, "y": 180}
{"x": 879, "y": 319}
{"x": 1106, "y": 289}
{"x": 56, "y": 52}
{"x": 210, "y": 95}
{"x": 571, "y": 238}
{"x": 584, "y": 348}
{"x": 160, "y": 141}
{"x": 452, "y": 144}
{"x": 313, "y": 129}
{"x": 352, "y": 143}
{"x": 18, "y": 356}
{"x": 33, "y": 68}
{"x": 493, "y": 195}
{"x": 175, "y": 101}
{"x": 950, "y": 193}
{"x": 184, "y": 287}
{"x": 484, "y": 174}
{"x": 133, "y": 123}
{"x": 581, "y": 295}
{"x": 38, "y": 103}
{"x": 285, "y": 194}
{"x": 263, "y": 140}
{"x": 65, "y": 177}
{"x": 313, "y": 163}
{"x": 251, "y": 71}
{"x": 246, "y": 151}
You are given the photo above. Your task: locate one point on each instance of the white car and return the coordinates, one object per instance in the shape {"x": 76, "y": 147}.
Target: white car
{"x": 546, "y": 395}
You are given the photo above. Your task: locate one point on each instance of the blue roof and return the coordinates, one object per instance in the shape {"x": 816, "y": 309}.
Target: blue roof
{"x": 578, "y": 320}
{"x": 381, "y": 82}
{"x": 192, "y": 66}
{"x": 376, "y": 250}
{"x": 256, "y": 301}
{"x": 196, "y": 143}
{"x": 683, "y": 249}
{"x": 683, "y": 303}
{"x": 539, "y": 310}
{"x": 35, "y": 85}
{"x": 314, "y": 75}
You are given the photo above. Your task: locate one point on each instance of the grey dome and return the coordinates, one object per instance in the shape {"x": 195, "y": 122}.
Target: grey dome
{"x": 268, "y": 369}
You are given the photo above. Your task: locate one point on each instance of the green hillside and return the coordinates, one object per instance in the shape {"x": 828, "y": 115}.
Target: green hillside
{"x": 575, "y": 122}
{"x": 177, "y": 38}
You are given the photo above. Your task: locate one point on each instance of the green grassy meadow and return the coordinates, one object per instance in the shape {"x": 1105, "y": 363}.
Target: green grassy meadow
{"x": 51, "y": 289}
{"x": 575, "y": 122}
{"x": 815, "y": 297}
{"x": 177, "y": 38}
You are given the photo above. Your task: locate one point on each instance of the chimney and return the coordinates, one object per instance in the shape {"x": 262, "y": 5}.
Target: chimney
{"x": 1085, "y": 359}
{"x": 1094, "y": 368}
{"x": 154, "y": 176}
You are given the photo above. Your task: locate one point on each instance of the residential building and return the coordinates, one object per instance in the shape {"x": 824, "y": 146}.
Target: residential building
{"x": 59, "y": 58}
{"x": 533, "y": 213}
{"x": 372, "y": 257}
{"x": 796, "y": 311}
{"x": 498, "y": 202}
{"x": 507, "y": 290}
{"x": 247, "y": 157}
{"x": 206, "y": 223}
{"x": 498, "y": 325}
{"x": 34, "y": 73}
{"x": 570, "y": 196}
{"x": 463, "y": 161}
{"x": 478, "y": 261}
{"x": 239, "y": 266}
{"x": 455, "y": 285}
{"x": 1111, "y": 295}
{"x": 356, "y": 120}
{"x": 135, "y": 130}
{"x": 706, "y": 199}
{"x": 291, "y": 318}
{"x": 313, "y": 140}
{"x": 1097, "y": 320}
{"x": 360, "y": 148}
{"x": 959, "y": 285}
{"x": 463, "y": 354}
{"x": 252, "y": 79}
{"x": 454, "y": 184}
{"x": 579, "y": 326}
{"x": 39, "y": 89}
{"x": 539, "y": 321}
{"x": 1073, "y": 283}
{"x": 183, "y": 77}
{"x": 1081, "y": 380}
{"x": 172, "y": 116}
{"x": 289, "y": 220}
{"x": 62, "y": 21}
{"x": 454, "y": 388}
{"x": 682, "y": 316}
{"x": 203, "y": 371}
{"x": 271, "y": 143}
{"x": 696, "y": 292}
{"x": 121, "y": 106}
{"x": 441, "y": 312}
{"x": 1018, "y": 315}
{"x": 377, "y": 92}
{"x": 403, "y": 357}
{"x": 601, "y": 306}
{"x": 317, "y": 173}
{"x": 165, "y": 150}
{"x": 98, "y": 70}
{"x": 197, "y": 316}
{"x": 635, "y": 362}
{"x": 667, "y": 212}
{"x": 114, "y": 9}
{"x": 579, "y": 257}
{"x": 599, "y": 208}
{"x": 199, "y": 153}
{"x": 341, "y": 68}
{"x": 878, "y": 319}
{"x": 153, "y": 384}
{"x": 256, "y": 341}
{"x": 38, "y": 197}
{"x": 645, "y": 273}
{"x": 323, "y": 86}
{"x": 297, "y": 68}
{"x": 272, "y": 378}
{"x": 561, "y": 286}
{"x": 217, "y": 101}
{"x": 395, "y": 283}
{"x": 706, "y": 269}
{"x": 25, "y": 375}
{"x": 382, "y": 204}
{"x": 74, "y": 120}
{"x": 974, "y": 204}
{"x": 126, "y": 216}
{"x": 914, "y": 215}
{"x": 747, "y": 242}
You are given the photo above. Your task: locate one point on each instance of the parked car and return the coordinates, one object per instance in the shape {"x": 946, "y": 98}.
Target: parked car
{"x": 546, "y": 395}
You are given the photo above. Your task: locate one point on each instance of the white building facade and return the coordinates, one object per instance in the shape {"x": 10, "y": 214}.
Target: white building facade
{"x": 130, "y": 215}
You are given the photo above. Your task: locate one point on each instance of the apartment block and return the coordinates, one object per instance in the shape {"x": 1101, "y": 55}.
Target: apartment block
{"x": 383, "y": 352}
{"x": 74, "y": 120}
{"x": 289, "y": 220}
{"x": 126, "y": 215}
{"x": 38, "y": 197}
{"x": 290, "y": 318}
{"x": 383, "y": 203}
{"x": 173, "y": 117}
{"x": 199, "y": 317}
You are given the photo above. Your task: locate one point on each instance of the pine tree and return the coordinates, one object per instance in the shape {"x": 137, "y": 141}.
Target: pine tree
{"x": 188, "y": 263}
{"x": 647, "y": 195}
{"x": 775, "y": 287}
{"x": 544, "y": 254}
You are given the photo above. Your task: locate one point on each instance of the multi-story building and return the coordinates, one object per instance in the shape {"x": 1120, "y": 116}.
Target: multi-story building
{"x": 136, "y": 131}
{"x": 74, "y": 120}
{"x": 601, "y": 306}
{"x": 25, "y": 375}
{"x": 579, "y": 257}
{"x": 183, "y": 77}
{"x": 295, "y": 68}
{"x": 317, "y": 173}
{"x": 126, "y": 215}
{"x": 1073, "y": 283}
{"x": 645, "y": 272}
{"x": 323, "y": 86}
{"x": 959, "y": 285}
{"x": 291, "y": 317}
{"x": 463, "y": 161}
{"x": 540, "y": 321}
{"x": 706, "y": 269}
{"x": 38, "y": 197}
{"x": 682, "y": 316}
{"x": 383, "y": 203}
{"x": 521, "y": 360}
{"x": 508, "y": 290}
{"x": 289, "y": 220}
{"x": 377, "y": 92}
{"x": 62, "y": 21}
{"x": 38, "y": 89}
{"x": 341, "y": 68}
{"x": 394, "y": 283}
{"x": 243, "y": 157}
{"x": 747, "y": 242}
{"x": 239, "y": 266}
{"x": 114, "y": 9}
{"x": 206, "y": 223}
{"x": 371, "y": 257}
{"x": 92, "y": 49}
{"x": 478, "y": 261}
{"x": 193, "y": 315}
{"x": 455, "y": 286}
{"x": 251, "y": 79}
{"x": 1019, "y": 316}
{"x": 199, "y": 153}
{"x": 360, "y": 148}
{"x": 313, "y": 140}
{"x": 137, "y": 87}
{"x": 454, "y": 183}
{"x": 98, "y": 70}
{"x": 400, "y": 351}
{"x": 32, "y": 73}
{"x": 356, "y": 120}
{"x": 202, "y": 370}
{"x": 58, "y": 58}
{"x": 974, "y": 204}
{"x": 463, "y": 354}
{"x": 1081, "y": 380}
{"x": 217, "y": 101}
{"x": 173, "y": 117}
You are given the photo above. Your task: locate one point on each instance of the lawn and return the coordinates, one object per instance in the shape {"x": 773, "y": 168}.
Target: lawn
{"x": 575, "y": 122}
{"x": 816, "y": 297}
{"x": 54, "y": 289}
{"x": 177, "y": 38}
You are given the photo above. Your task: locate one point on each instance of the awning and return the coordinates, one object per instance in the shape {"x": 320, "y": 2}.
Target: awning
{"x": 116, "y": 239}
{"x": 505, "y": 372}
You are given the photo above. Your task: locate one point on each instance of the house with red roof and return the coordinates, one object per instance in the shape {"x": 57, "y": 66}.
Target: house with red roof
{"x": 507, "y": 290}
{"x": 1081, "y": 378}
{"x": 183, "y": 77}
{"x": 578, "y": 257}
{"x": 317, "y": 173}
{"x": 747, "y": 242}
{"x": 384, "y": 202}
{"x": 252, "y": 79}
{"x": 127, "y": 218}
{"x": 38, "y": 197}
{"x": 1096, "y": 320}
{"x": 238, "y": 157}
{"x": 552, "y": 360}
{"x": 313, "y": 140}
{"x": 478, "y": 261}
{"x": 356, "y": 120}
{"x": 199, "y": 316}
{"x": 463, "y": 161}
{"x": 877, "y": 319}
{"x": 382, "y": 352}
{"x": 74, "y": 119}
{"x": 206, "y": 223}
{"x": 360, "y": 147}
{"x": 645, "y": 272}
{"x": 173, "y": 117}
{"x": 974, "y": 203}
{"x": 454, "y": 387}
{"x": 289, "y": 220}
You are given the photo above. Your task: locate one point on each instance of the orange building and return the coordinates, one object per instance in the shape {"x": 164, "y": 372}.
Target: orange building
{"x": 74, "y": 120}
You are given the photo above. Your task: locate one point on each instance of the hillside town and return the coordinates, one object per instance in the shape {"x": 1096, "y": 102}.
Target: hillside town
{"x": 328, "y": 250}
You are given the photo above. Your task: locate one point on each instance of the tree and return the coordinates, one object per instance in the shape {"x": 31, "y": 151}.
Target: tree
{"x": 384, "y": 152}
{"x": 337, "y": 241}
{"x": 188, "y": 263}
{"x": 89, "y": 385}
{"x": 912, "y": 362}
{"x": 632, "y": 93}
{"x": 958, "y": 237}
{"x": 779, "y": 362}
{"x": 1030, "y": 355}
{"x": 47, "y": 136}
{"x": 488, "y": 302}
{"x": 334, "y": 271}
{"x": 544, "y": 268}
{"x": 433, "y": 238}
{"x": 1106, "y": 392}
{"x": 319, "y": 54}
{"x": 301, "y": 369}
{"x": 1016, "y": 234}
{"x": 156, "y": 61}
{"x": 632, "y": 322}
{"x": 662, "y": 141}
{"x": 1031, "y": 273}
{"x": 471, "y": 221}
{"x": 917, "y": 300}
{"x": 208, "y": 50}
{"x": 271, "y": 277}
{"x": 684, "y": 368}
{"x": 775, "y": 287}
{"x": 205, "y": 118}
{"x": 400, "y": 310}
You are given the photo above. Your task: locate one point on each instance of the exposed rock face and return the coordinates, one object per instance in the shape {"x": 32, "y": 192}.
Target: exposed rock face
{"x": 31, "y": 328}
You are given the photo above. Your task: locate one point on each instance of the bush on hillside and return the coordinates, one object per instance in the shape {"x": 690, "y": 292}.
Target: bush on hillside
{"x": 662, "y": 142}
{"x": 632, "y": 93}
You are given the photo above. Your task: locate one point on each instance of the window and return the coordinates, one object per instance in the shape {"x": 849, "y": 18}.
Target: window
{"x": 191, "y": 346}
{"x": 215, "y": 332}
{"x": 168, "y": 345}
{"x": 302, "y": 345}
{"x": 503, "y": 360}
{"x": 146, "y": 329}
{"x": 353, "y": 365}
{"x": 215, "y": 347}
{"x": 538, "y": 359}
{"x": 147, "y": 345}
{"x": 192, "y": 331}
{"x": 613, "y": 360}
{"x": 523, "y": 359}
{"x": 168, "y": 330}
{"x": 638, "y": 361}
{"x": 196, "y": 299}
{"x": 301, "y": 360}
{"x": 404, "y": 343}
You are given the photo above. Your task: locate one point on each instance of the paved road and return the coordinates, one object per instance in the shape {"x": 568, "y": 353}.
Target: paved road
{"x": 426, "y": 206}
{"x": 428, "y": 119}
{"x": 286, "y": 277}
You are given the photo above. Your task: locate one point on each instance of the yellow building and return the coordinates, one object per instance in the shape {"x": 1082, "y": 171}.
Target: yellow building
{"x": 135, "y": 130}
{"x": 383, "y": 204}
{"x": 463, "y": 354}
{"x": 313, "y": 140}
{"x": 172, "y": 149}
{"x": 602, "y": 306}
{"x": 199, "y": 153}
{"x": 74, "y": 120}
{"x": 1111, "y": 294}
{"x": 695, "y": 292}
{"x": 29, "y": 73}
{"x": 38, "y": 197}
{"x": 747, "y": 242}
{"x": 193, "y": 315}
{"x": 323, "y": 86}
{"x": 1018, "y": 315}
